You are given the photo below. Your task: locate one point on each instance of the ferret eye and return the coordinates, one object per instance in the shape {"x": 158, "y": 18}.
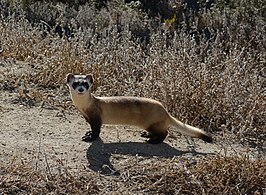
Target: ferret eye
{"x": 86, "y": 85}
{"x": 74, "y": 85}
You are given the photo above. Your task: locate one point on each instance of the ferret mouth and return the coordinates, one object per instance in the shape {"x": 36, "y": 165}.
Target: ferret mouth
{"x": 80, "y": 93}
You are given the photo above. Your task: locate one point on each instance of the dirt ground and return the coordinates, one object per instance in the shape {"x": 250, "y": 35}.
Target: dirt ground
{"x": 51, "y": 137}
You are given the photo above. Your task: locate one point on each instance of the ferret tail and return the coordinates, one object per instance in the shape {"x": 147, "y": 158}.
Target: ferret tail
{"x": 186, "y": 129}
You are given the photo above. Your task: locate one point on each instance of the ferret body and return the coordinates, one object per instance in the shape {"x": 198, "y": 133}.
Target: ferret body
{"x": 144, "y": 113}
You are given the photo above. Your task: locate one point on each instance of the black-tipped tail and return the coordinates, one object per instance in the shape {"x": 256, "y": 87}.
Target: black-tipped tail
{"x": 205, "y": 137}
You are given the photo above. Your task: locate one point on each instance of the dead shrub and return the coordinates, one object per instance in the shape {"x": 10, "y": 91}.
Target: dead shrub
{"x": 213, "y": 175}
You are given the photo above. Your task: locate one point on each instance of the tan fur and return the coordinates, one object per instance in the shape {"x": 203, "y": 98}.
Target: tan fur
{"x": 145, "y": 113}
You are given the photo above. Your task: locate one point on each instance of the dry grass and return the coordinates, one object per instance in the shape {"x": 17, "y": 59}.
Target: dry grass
{"x": 214, "y": 175}
{"x": 22, "y": 178}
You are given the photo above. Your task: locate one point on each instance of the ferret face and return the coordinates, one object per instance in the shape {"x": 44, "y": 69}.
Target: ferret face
{"x": 79, "y": 84}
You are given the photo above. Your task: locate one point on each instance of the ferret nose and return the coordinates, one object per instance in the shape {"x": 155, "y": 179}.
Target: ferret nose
{"x": 80, "y": 89}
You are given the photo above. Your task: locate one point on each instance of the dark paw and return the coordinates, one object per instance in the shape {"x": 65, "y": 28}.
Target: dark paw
{"x": 88, "y": 137}
{"x": 154, "y": 141}
{"x": 146, "y": 134}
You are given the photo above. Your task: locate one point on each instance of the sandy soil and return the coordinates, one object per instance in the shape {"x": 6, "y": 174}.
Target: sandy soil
{"x": 52, "y": 137}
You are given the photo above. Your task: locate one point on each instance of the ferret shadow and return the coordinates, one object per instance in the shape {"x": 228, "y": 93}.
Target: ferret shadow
{"x": 99, "y": 153}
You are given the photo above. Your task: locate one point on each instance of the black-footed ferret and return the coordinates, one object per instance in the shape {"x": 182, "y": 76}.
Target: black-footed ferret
{"x": 145, "y": 113}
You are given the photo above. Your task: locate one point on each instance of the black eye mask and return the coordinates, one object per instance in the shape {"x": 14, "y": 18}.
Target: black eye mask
{"x": 77, "y": 83}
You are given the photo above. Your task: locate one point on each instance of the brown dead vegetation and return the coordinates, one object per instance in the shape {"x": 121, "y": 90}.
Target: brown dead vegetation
{"x": 214, "y": 175}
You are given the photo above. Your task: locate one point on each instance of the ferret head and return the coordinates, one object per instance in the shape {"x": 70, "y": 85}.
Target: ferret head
{"x": 79, "y": 84}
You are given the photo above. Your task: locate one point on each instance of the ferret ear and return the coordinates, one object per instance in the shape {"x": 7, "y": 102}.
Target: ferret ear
{"x": 70, "y": 77}
{"x": 89, "y": 77}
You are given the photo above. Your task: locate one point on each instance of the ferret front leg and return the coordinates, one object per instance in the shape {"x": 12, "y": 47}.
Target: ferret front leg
{"x": 95, "y": 130}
